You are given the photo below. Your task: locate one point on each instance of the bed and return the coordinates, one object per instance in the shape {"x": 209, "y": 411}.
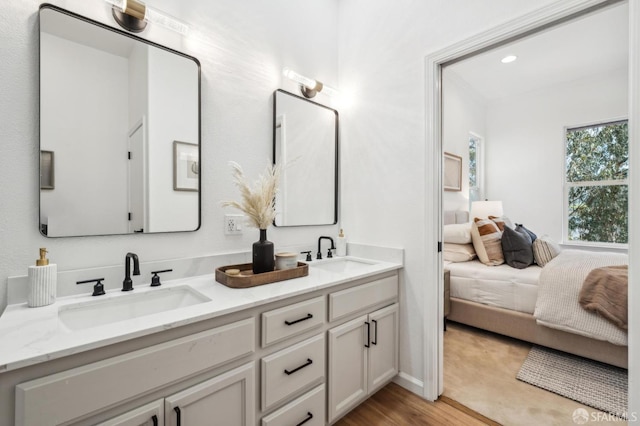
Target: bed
{"x": 527, "y": 304}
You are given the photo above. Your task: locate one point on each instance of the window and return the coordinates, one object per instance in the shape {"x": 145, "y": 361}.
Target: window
{"x": 475, "y": 168}
{"x": 596, "y": 187}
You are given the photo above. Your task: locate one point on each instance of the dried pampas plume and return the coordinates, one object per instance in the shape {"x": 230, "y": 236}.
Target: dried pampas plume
{"x": 257, "y": 199}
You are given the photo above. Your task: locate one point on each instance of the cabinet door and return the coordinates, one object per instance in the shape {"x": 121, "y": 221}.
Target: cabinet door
{"x": 347, "y": 366}
{"x": 383, "y": 350}
{"x": 151, "y": 414}
{"x": 228, "y": 399}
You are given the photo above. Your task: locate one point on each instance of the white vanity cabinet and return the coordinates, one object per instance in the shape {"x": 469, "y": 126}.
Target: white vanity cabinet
{"x": 363, "y": 356}
{"x": 71, "y": 395}
{"x": 363, "y": 352}
{"x": 303, "y": 360}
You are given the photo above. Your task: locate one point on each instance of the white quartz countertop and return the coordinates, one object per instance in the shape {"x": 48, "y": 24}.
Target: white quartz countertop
{"x": 33, "y": 335}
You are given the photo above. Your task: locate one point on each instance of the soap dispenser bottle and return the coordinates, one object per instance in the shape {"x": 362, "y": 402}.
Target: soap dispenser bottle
{"x": 43, "y": 280}
{"x": 341, "y": 244}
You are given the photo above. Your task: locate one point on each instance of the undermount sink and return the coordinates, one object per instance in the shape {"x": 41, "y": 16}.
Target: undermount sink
{"x": 124, "y": 307}
{"x": 342, "y": 265}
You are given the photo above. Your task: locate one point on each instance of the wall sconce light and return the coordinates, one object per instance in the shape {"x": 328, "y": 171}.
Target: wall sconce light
{"x": 133, "y": 15}
{"x": 308, "y": 86}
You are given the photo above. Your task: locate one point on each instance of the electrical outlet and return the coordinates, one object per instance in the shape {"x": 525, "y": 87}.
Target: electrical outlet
{"x": 233, "y": 224}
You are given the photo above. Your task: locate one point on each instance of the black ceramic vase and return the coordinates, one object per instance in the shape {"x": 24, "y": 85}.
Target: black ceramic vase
{"x": 263, "y": 260}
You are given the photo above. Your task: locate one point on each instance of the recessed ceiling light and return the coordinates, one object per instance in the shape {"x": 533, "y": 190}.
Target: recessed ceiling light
{"x": 508, "y": 59}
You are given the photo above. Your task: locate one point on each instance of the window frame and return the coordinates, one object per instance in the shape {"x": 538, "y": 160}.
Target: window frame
{"x": 566, "y": 187}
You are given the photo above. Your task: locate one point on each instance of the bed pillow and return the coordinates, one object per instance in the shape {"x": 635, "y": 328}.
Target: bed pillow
{"x": 458, "y": 252}
{"x": 459, "y": 233}
{"x": 545, "y": 249}
{"x": 502, "y": 221}
{"x": 531, "y": 234}
{"x": 516, "y": 247}
{"x": 486, "y": 241}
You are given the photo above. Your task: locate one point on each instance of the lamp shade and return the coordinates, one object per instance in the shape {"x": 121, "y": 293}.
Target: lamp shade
{"x": 484, "y": 209}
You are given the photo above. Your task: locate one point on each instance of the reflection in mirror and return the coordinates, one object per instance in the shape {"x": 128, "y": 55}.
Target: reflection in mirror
{"x": 111, "y": 108}
{"x": 305, "y": 140}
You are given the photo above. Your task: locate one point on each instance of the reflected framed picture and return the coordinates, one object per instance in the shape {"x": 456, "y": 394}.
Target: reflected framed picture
{"x": 186, "y": 166}
{"x": 47, "y": 175}
{"x": 452, "y": 172}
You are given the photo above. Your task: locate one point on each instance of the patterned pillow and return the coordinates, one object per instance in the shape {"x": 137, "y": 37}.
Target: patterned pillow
{"x": 502, "y": 221}
{"x": 486, "y": 241}
{"x": 545, "y": 249}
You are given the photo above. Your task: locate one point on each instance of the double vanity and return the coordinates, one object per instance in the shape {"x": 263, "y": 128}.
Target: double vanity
{"x": 192, "y": 351}
{"x": 188, "y": 350}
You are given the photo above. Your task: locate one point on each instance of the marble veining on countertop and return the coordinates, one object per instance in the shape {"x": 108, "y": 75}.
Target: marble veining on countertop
{"x": 34, "y": 335}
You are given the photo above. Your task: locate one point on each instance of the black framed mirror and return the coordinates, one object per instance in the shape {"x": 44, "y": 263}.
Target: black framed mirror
{"x": 305, "y": 141}
{"x": 120, "y": 116}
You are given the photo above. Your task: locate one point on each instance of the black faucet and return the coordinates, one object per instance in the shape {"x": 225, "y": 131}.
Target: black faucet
{"x": 333, "y": 247}
{"x": 127, "y": 284}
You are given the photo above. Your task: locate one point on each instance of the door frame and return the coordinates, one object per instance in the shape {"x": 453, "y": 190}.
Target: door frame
{"x": 523, "y": 26}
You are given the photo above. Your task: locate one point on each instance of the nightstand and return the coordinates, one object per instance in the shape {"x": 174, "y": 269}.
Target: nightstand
{"x": 447, "y": 294}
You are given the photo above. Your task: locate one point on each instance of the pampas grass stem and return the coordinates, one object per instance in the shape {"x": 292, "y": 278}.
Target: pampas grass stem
{"x": 257, "y": 198}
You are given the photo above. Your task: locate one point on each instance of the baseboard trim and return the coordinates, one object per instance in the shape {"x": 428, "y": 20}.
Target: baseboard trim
{"x": 410, "y": 383}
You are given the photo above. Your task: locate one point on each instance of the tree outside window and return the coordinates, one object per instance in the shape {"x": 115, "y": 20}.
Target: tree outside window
{"x": 596, "y": 189}
{"x": 475, "y": 161}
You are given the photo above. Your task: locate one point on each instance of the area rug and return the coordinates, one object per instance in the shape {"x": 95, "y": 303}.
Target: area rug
{"x": 588, "y": 382}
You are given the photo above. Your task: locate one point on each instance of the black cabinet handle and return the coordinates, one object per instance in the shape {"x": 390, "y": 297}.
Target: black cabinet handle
{"x": 306, "y": 419}
{"x": 366, "y": 345}
{"x": 309, "y": 316}
{"x": 309, "y": 362}
{"x": 154, "y": 419}
{"x": 375, "y": 333}
{"x": 178, "y": 413}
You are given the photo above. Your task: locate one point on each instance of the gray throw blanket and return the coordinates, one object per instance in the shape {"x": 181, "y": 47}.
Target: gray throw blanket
{"x": 605, "y": 292}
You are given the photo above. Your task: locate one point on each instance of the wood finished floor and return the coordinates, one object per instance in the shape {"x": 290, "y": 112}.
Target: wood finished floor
{"x": 394, "y": 405}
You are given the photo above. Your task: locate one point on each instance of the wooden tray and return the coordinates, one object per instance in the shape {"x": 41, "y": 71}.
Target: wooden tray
{"x": 247, "y": 279}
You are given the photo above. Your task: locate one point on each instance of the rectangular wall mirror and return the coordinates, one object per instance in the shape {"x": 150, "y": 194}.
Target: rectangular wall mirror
{"x": 113, "y": 107}
{"x": 305, "y": 141}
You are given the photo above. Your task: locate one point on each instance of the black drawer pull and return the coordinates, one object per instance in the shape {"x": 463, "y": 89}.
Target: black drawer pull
{"x": 309, "y": 417}
{"x": 309, "y": 362}
{"x": 309, "y": 316}
{"x": 178, "y": 413}
{"x": 366, "y": 345}
{"x": 375, "y": 333}
{"x": 154, "y": 419}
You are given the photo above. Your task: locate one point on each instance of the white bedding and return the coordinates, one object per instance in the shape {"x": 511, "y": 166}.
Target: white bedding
{"x": 500, "y": 286}
{"x": 559, "y": 287}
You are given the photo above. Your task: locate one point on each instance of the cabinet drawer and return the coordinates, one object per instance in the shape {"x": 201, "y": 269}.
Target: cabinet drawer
{"x": 307, "y": 410}
{"x": 356, "y": 299}
{"x": 291, "y": 320}
{"x": 63, "y": 396}
{"x": 291, "y": 370}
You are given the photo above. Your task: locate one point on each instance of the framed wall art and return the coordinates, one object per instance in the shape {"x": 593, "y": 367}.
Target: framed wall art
{"x": 452, "y": 172}
{"x": 186, "y": 166}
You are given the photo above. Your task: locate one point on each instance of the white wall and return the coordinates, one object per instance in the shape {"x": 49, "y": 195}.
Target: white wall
{"x": 525, "y": 145}
{"x": 383, "y": 46}
{"x": 464, "y": 112}
{"x": 172, "y": 116}
{"x": 242, "y": 46}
